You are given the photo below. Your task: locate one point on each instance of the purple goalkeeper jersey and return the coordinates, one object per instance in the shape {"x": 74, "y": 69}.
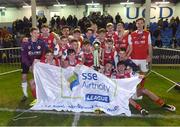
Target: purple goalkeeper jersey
{"x": 32, "y": 50}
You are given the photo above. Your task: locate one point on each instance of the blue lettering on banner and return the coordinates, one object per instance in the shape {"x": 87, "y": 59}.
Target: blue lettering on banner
{"x": 89, "y": 76}
{"x": 97, "y": 97}
{"x": 58, "y": 106}
{"x": 114, "y": 109}
{"x": 79, "y": 106}
{"x": 96, "y": 86}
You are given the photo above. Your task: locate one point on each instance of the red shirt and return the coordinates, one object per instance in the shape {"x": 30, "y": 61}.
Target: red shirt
{"x": 127, "y": 75}
{"x": 119, "y": 76}
{"x": 108, "y": 57}
{"x": 114, "y": 36}
{"x": 89, "y": 61}
{"x": 103, "y": 43}
{"x": 140, "y": 45}
{"x": 124, "y": 75}
{"x": 58, "y": 49}
{"x": 63, "y": 49}
{"x": 108, "y": 74}
{"x": 49, "y": 40}
{"x": 122, "y": 42}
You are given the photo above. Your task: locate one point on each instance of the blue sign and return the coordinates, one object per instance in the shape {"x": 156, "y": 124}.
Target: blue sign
{"x": 161, "y": 12}
{"x": 142, "y": 14}
{"x": 136, "y": 13}
{"x": 97, "y": 97}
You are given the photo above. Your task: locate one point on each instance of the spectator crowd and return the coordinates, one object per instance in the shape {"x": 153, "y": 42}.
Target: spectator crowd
{"x": 164, "y": 33}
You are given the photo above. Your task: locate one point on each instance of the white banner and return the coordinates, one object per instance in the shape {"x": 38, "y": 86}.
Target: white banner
{"x": 80, "y": 89}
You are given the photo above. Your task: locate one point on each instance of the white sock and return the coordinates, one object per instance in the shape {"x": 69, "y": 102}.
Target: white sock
{"x": 24, "y": 88}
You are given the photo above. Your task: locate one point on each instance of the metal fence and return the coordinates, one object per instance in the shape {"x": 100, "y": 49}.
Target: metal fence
{"x": 10, "y": 60}
{"x": 166, "y": 58}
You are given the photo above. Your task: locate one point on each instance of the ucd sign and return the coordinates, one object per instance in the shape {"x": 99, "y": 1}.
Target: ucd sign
{"x": 169, "y": 12}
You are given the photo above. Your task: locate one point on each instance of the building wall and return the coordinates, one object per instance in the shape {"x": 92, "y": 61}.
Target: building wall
{"x": 177, "y": 10}
{"x": 66, "y": 11}
{"x": 136, "y": 11}
{"x": 12, "y": 14}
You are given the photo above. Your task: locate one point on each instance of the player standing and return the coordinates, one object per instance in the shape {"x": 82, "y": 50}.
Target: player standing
{"x": 140, "y": 48}
{"x": 48, "y": 37}
{"x": 34, "y": 49}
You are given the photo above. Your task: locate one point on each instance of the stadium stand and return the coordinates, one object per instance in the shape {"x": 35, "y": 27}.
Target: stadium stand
{"x": 169, "y": 36}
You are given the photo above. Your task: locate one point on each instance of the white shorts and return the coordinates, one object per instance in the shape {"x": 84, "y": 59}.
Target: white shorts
{"x": 143, "y": 65}
{"x": 135, "y": 97}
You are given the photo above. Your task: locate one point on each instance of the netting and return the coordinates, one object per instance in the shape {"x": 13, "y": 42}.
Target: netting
{"x": 10, "y": 60}
{"x": 166, "y": 64}
{"x": 166, "y": 57}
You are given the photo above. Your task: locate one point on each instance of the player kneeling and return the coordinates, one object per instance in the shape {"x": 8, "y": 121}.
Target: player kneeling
{"x": 49, "y": 59}
{"x": 122, "y": 72}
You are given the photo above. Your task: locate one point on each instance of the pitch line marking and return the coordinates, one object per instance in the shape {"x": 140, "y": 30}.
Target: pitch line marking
{"x": 92, "y": 114}
{"x": 76, "y": 119}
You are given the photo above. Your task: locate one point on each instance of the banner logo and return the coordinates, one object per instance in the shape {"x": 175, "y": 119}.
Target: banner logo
{"x": 97, "y": 97}
{"x": 73, "y": 80}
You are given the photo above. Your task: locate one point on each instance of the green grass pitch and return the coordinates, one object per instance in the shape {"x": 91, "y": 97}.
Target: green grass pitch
{"x": 10, "y": 95}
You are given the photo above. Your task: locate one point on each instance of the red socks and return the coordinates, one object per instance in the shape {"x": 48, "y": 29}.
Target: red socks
{"x": 160, "y": 102}
{"x": 138, "y": 107}
{"x": 33, "y": 91}
{"x": 142, "y": 83}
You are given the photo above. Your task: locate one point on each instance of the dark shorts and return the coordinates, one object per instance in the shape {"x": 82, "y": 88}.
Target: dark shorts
{"x": 25, "y": 68}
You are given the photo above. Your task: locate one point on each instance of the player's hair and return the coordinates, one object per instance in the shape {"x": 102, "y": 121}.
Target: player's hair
{"x": 90, "y": 29}
{"x": 22, "y": 37}
{"x": 44, "y": 26}
{"x": 121, "y": 23}
{"x": 140, "y": 19}
{"x": 109, "y": 40}
{"x": 74, "y": 40}
{"x": 76, "y": 30}
{"x": 86, "y": 42}
{"x": 49, "y": 51}
{"x": 109, "y": 62}
{"x": 121, "y": 63}
{"x": 109, "y": 24}
{"x": 70, "y": 51}
{"x": 102, "y": 30}
{"x": 33, "y": 28}
{"x": 64, "y": 27}
{"x": 62, "y": 37}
